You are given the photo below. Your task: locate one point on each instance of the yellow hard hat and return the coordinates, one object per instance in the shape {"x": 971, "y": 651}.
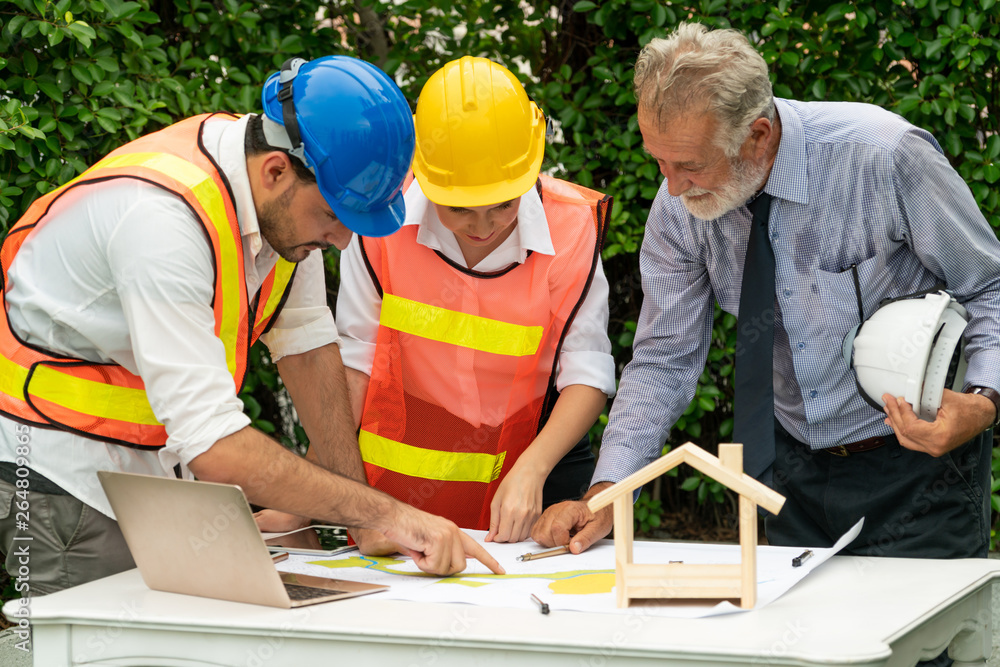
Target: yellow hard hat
{"x": 480, "y": 140}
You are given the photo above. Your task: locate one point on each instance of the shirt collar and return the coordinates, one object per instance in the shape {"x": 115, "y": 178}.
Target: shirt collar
{"x": 530, "y": 234}
{"x": 789, "y": 179}
{"x": 225, "y": 143}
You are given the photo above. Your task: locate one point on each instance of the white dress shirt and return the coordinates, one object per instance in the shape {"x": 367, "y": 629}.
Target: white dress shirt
{"x": 585, "y": 357}
{"x": 123, "y": 273}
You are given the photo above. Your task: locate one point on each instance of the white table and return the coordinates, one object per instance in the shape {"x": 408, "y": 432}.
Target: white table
{"x": 858, "y": 611}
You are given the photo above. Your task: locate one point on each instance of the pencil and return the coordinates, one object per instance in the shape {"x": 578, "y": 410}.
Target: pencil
{"x": 558, "y": 551}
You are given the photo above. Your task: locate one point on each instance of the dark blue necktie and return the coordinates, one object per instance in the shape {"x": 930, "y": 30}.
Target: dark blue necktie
{"x": 754, "y": 404}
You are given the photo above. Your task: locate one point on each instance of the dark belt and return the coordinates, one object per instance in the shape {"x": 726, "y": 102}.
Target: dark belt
{"x": 859, "y": 446}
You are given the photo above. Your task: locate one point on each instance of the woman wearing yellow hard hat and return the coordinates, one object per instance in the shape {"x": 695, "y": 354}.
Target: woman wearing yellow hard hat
{"x": 475, "y": 337}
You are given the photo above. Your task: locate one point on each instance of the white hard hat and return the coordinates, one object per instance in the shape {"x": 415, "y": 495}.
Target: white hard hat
{"x": 910, "y": 347}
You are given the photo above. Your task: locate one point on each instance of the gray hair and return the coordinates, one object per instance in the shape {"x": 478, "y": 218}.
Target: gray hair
{"x": 700, "y": 70}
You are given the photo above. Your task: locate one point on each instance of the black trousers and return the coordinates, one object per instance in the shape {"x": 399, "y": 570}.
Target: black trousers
{"x": 915, "y": 505}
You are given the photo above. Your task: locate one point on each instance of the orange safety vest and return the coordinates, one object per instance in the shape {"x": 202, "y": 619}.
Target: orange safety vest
{"x": 104, "y": 401}
{"x": 464, "y": 369}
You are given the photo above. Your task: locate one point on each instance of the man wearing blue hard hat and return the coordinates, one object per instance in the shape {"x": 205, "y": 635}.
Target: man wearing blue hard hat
{"x": 134, "y": 292}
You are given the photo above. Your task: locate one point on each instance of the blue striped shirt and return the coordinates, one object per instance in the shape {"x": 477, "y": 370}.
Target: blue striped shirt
{"x": 852, "y": 184}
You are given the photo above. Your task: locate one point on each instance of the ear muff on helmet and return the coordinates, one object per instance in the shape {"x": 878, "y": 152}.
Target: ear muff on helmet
{"x": 910, "y": 347}
{"x": 349, "y": 123}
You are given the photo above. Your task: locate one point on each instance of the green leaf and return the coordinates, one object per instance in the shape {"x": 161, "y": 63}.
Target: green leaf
{"x": 991, "y": 173}
{"x": 836, "y": 12}
{"x": 108, "y": 112}
{"x": 56, "y": 36}
{"x": 127, "y": 9}
{"x": 109, "y": 125}
{"x": 659, "y": 15}
{"x": 584, "y": 6}
{"x": 30, "y": 63}
{"x": 291, "y": 44}
{"x": 81, "y": 74}
{"x": 122, "y": 98}
{"x": 251, "y": 406}
{"x": 51, "y": 90}
{"x": 30, "y": 29}
{"x": 15, "y": 24}
{"x": 954, "y": 18}
{"x": 83, "y": 32}
{"x": 993, "y": 147}
{"x": 691, "y": 483}
{"x": 932, "y": 49}
{"x": 172, "y": 84}
{"x": 107, "y": 64}
{"x": 953, "y": 143}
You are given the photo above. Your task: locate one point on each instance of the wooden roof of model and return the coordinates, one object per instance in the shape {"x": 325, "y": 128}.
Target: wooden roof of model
{"x": 697, "y": 458}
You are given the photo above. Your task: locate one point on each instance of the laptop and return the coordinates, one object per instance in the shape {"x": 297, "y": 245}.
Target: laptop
{"x": 200, "y": 538}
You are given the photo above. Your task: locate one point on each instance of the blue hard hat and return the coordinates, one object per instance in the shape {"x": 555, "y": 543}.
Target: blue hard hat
{"x": 351, "y": 126}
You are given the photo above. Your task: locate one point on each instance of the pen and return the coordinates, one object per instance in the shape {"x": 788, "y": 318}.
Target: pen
{"x": 558, "y": 551}
{"x": 802, "y": 557}
{"x": 542, "y": 607}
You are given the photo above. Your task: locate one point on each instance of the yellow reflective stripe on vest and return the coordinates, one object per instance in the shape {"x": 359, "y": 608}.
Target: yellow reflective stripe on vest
{"x": 282, "y": 274}
{"x": 205, "y": 190}
{"x": 429, "y": 463}
{"x": 92, "y": 398}
{"x": 12, "y": 378}
{"x": 455, "y": 328}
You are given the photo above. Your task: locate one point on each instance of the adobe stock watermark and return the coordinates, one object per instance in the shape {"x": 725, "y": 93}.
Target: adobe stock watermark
{"x": 634, "y": 623}
{"x": 212, "y": 529}
{"x": 430, "y": 653}
{"x": 101, "y": 640}
{"x": 778, "y": 650}
{"x": 21, "y": 545}
{"x": 270, "y": 645}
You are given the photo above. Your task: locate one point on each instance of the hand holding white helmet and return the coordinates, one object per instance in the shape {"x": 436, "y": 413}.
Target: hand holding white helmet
{"x": 910, "y": 347}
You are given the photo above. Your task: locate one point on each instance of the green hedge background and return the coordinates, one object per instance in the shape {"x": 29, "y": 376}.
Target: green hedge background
{"x": 80, "y": 77}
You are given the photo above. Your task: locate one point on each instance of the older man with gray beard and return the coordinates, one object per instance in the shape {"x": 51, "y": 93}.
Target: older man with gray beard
{"x": 863, "y": 207}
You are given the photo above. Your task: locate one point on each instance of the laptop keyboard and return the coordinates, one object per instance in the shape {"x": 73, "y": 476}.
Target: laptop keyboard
{"x": 296, "y": 592}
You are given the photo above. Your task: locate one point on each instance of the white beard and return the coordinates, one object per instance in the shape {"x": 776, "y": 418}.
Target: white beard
{"x": 744, "y": 181}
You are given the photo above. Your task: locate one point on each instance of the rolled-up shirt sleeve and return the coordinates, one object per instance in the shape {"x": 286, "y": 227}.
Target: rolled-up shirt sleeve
{"x": 358, "y": 308}
{"x": 305, "y": 322}
{"x": 586, "y": 357}
{"x": 163, "y": 275}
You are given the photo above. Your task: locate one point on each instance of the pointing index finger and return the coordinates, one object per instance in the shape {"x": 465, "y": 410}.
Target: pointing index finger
{"x": 474, "y": 550}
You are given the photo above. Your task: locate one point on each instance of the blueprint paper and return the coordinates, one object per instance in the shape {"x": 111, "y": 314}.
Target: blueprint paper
{"x": 583, "y": 582}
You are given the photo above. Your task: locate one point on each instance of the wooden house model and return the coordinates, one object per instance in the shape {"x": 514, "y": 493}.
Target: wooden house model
{"x": 636, "y": 581}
